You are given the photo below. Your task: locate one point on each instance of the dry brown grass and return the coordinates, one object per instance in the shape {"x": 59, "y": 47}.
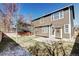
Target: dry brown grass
{"x": 37, "y": 48}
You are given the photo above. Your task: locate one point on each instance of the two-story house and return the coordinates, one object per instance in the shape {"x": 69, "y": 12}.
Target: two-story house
{"x": 58, "y": 24}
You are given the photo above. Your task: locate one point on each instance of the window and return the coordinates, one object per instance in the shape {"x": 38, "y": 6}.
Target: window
{"x": 45, "y": 29}
{"x": 66, "y": 28}
{"x": 61, "y": 15}
{"x": 58, "y": 15}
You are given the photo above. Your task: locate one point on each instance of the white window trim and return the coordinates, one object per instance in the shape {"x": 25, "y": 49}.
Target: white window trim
{"x": 59, "y": 16}
{"x": 49, "y": 29}
{"x": 70, "y": 23}
{"x": 52, "y": 30}
{"x": 61, "y": 33}
{"x": 65, "y": 29}
{"x": 54, "y": 18}
{"x": 45, "y": 29}
{"x": 62, "y": 13}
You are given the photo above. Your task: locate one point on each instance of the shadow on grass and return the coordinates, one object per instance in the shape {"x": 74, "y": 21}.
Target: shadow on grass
{"x": 5, "y": 41}
{"x": 75, "y": 49}
{"x": 10, "y": 44}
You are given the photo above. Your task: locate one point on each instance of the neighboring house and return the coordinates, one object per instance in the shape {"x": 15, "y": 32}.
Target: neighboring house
{"x": 25, "y": 30}
{"x": 13, "y": 29}
{"x": 58, "y": 24}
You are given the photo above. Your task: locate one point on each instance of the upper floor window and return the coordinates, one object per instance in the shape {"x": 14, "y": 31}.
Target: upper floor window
{"x": 58, "y": 15}
{"x": 61, "y": 14}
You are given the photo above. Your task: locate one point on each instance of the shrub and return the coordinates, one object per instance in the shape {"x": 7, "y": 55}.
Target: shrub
{"x": 54, "y": 49}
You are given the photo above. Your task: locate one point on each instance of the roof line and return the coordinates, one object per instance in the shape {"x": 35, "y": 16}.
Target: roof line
{"x": 53, "y": 11}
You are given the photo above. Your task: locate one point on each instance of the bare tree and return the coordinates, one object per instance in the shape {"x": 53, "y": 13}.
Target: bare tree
{"x": 20, "y": 23}
{"x": 23, "y": 26}
{"x": 10, "y": 9}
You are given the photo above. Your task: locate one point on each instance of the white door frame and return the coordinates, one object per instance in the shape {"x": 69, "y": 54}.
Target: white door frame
{"x": 49, "y": 31}
{"x": 60, "y": 32}
{"x": 54, "y": 31}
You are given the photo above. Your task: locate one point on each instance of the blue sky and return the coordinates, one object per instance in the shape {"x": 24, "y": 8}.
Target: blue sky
{"x": 36, "y": 10}
{"x": 39, "y": 9}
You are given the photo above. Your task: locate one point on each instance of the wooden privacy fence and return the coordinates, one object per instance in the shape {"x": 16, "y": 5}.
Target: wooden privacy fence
{"x": 24, "y": 33}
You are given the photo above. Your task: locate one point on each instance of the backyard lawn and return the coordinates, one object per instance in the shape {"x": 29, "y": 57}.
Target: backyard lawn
{"x": 38, "y": 48}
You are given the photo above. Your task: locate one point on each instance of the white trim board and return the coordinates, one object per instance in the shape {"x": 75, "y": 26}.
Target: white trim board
{"x": 70, "y": 23}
